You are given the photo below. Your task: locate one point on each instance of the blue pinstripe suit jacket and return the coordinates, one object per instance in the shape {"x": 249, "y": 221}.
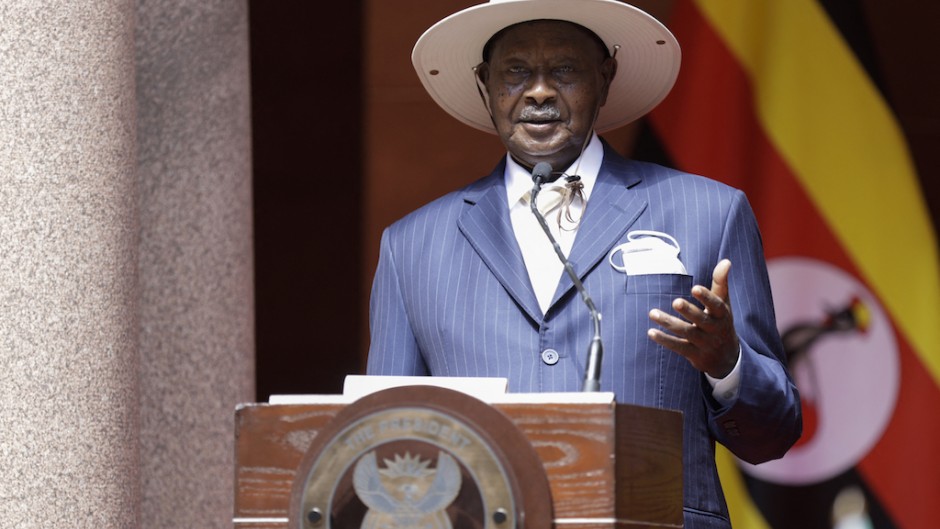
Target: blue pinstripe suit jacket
{"x": 451, "y": 297}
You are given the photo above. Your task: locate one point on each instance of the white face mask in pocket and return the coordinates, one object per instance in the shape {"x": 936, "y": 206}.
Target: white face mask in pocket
{"x": 648, "y": 252}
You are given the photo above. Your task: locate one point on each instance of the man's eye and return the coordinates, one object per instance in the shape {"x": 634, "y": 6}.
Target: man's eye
{"x": 517, "y": 70}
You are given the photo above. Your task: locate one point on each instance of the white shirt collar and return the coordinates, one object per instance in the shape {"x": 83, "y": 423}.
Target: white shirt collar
{"x": 587, "y": 166}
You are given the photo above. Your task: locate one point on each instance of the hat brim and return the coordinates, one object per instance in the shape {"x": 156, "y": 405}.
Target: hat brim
{"x": 648, "y": 56}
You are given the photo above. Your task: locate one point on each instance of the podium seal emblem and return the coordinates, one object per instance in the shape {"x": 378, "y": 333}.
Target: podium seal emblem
{"x": 420, "y": 457}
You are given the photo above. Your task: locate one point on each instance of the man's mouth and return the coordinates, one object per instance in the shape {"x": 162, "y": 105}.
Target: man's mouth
{"x": 539, "y": 115}
{"x": 539, "y": 121}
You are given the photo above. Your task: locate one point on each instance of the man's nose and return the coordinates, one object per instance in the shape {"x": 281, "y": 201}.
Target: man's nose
{"x": 540, "y": 89}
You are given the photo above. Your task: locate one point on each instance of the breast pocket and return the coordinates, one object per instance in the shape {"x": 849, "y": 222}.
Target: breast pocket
{"x": 653, "y": 286}
{"x": 656, "y": 291}
{"x": 643, "y": 371}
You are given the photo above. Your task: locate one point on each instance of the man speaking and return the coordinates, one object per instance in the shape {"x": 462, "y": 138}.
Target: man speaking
{"x": 512, "y": 275}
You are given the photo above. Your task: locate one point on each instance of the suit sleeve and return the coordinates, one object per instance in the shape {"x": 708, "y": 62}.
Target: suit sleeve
{"x": 764, "y": 420}
{"x": 393, "y": 349}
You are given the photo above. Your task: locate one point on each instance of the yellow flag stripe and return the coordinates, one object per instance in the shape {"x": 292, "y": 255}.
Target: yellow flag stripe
{"x": 830, "y": 124}
{"x": 744, "y": 514}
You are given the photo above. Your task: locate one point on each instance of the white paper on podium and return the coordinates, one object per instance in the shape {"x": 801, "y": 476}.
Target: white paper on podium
{"x": 489, "y": 390}
{"x": 482, "y": 388}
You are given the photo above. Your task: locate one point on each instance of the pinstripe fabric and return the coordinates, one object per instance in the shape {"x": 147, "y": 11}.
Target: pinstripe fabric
{"x": 451, "y": 297}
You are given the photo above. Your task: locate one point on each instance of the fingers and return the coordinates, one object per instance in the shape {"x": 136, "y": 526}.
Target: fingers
{"x": 716, "y": 301}
{"x": 707, "y": 319}
{"x": 672, "y": 342}
{"x": 673, "y": 333}
{"x": 707, "y": 345}
{"x": 704, "y": 335}
{"x": 716, "y": 305}
{"x": 696, "y": 329}
{"x": 670, "y": 323}
{"x": 681, "y": 338}
{"x": 720, "y": 279}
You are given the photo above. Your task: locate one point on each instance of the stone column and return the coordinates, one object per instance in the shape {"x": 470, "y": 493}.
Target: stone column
{"x": 68, "y": 265}
{"x": 197, "y": 319}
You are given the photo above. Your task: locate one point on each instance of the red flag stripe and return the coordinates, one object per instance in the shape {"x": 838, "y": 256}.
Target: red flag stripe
{"x": 709, "y": 126}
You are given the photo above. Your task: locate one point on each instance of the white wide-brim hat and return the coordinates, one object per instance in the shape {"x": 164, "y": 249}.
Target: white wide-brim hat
{"x": 648, "y": 55}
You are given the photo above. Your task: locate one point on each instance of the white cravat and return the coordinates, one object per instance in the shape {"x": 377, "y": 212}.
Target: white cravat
{"x": 541, "y": 262}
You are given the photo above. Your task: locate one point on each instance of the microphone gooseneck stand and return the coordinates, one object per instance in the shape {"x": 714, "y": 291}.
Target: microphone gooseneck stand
{"x": 592, "y": 373}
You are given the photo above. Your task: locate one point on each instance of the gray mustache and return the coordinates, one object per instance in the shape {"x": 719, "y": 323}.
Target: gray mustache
{"x": 543, "y": 113}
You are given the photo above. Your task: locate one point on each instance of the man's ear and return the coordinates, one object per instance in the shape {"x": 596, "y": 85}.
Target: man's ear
{"x": 481, "y": 74}
{"x": 608, "y": 71}
{"x": 482, "y": 71}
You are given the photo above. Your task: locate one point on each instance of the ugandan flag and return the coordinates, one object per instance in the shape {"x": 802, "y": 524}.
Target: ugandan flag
{"x": 776, "y": 97}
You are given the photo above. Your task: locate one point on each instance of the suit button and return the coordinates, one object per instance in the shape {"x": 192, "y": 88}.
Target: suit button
{"x": 550, "y": 356}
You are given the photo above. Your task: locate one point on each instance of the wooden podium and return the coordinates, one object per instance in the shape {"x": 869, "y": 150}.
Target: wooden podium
{"x": 570, "y": 465}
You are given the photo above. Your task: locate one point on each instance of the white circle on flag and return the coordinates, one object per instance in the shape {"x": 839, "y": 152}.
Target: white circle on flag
{"x": 848, "y": 377}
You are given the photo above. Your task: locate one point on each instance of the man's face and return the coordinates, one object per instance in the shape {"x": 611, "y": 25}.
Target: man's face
{"x": 546, "y": 80}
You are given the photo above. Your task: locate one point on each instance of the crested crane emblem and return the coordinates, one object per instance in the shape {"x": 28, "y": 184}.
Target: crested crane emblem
{"x": 406, "y": 494}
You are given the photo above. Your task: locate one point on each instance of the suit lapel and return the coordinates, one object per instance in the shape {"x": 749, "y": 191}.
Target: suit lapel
{"x": 486, "y": 225}
{"x": 612, "y": 209}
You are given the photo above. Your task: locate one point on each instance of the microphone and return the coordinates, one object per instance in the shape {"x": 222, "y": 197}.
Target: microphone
{"x": 592, "y": 372}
